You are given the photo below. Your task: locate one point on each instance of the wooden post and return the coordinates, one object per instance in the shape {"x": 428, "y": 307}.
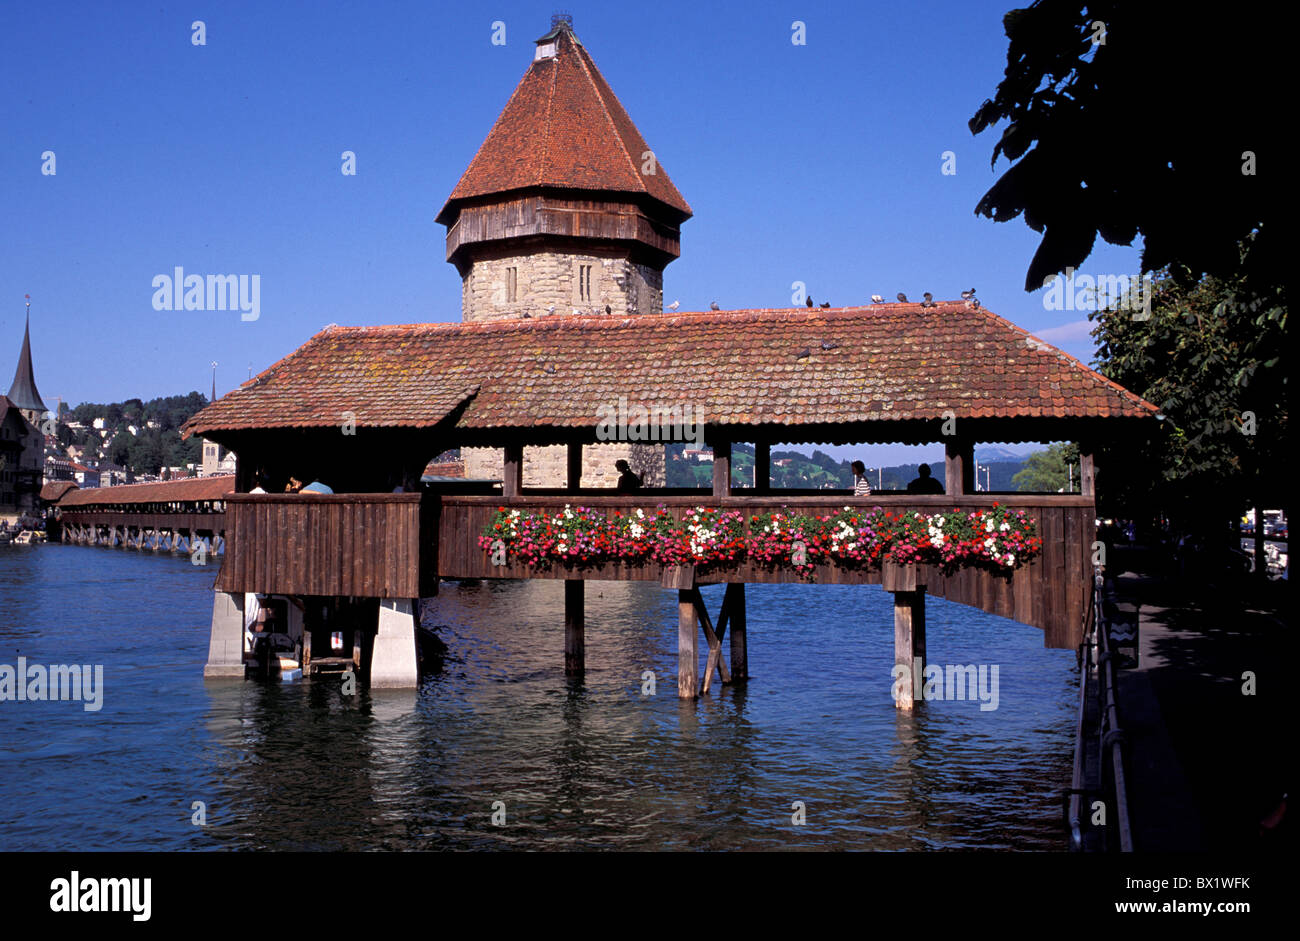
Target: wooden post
{"x": 1087, "y": 473}
{"x": 575, "y": 651}
{"x": 245, "y": 480}
{"x": 688, "y": 662}
{"x": 762, "y": 466}
{"x": 512, "y": 479}
{"x": 958, "y": 467}
{"x": 909, "y": 645}
{"x": 573, "y": 478}
{"x": 735, "y": 604}
{"x": 714, "y": 640}
{"x": 721, "y": 469}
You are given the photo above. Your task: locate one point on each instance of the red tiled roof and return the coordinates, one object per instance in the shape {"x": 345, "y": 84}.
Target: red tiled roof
{"x": 565, "y": 128}
{"x": 53, "y": 490}
{"x": 887, "y": 362}
{"x": 166, "y": 491}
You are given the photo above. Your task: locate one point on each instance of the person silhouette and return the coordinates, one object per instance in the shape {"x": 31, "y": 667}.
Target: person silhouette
{"x": 924, "y": 483}
{"x": 627, "y": 480}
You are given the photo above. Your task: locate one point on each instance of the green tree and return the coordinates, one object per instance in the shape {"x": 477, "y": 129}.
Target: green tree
{"x": 119, "y": 449}
{"x": 1127, "y": 119}
{"x": 1050, "y": 471}
{"x": 1211, "y": 356}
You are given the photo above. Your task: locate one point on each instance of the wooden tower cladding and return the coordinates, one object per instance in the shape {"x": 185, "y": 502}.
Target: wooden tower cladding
{"x": 564, "y": 208}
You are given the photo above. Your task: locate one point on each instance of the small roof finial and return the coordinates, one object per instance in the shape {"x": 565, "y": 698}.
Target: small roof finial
{"x": 562, "y": 19}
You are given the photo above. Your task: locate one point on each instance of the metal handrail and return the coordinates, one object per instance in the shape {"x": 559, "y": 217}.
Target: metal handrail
{"x": 1112, "y": 735}
{"x": 1095, "y": 657}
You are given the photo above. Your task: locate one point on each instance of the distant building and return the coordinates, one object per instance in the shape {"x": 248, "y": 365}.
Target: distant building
{"x": 114, "y": 475}
{"x": 57, "y": 468}
{"x": 21, "y": 457}
{"x": 85, "y": 476}
{"x": 98, "y": 424}
{"x": 216, "y": 460}
{"x": 22, "y": 445}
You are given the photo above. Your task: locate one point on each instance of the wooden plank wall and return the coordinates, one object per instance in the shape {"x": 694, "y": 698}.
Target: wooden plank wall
{"x": 365, "y": 545}
{"x": 549, "y": 215}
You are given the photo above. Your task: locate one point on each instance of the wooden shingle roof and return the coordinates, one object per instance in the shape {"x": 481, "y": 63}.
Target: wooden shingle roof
{"x": 167, "y": 491}
{"x": 883, "y": 363}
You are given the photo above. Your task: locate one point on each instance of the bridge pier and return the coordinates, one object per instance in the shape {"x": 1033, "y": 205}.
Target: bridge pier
{"x": 393, "y": 662}
{"x": 909, "y": 645}
{"x": 575, "y": 644}
{"x": 733, "y": 603}
{"x": 688, "y": 652}
{"x": 907, "y": 582}
{"x": 226, "y": 644}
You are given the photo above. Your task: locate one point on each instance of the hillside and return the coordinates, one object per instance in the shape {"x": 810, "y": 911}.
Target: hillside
{"x": 795, "y": 470}
{"x": 142, "y": 436}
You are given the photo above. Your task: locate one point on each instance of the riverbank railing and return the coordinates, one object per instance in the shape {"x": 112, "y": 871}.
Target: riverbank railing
{"x": 1097, "y": 658}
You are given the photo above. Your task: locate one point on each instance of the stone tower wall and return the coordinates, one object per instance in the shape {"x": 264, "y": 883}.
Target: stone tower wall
{"x": 548, "y": 466}
{"x": 546, "y": 278}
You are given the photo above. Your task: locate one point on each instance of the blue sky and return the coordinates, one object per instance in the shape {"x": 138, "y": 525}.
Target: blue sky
{"x": 818, "y": 163}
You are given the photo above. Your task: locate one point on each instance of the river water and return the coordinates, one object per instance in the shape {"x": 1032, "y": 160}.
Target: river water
{"x": 591, "y": 765}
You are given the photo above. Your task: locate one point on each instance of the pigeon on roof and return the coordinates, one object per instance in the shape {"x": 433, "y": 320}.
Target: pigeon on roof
{"x": 902, "y": 298}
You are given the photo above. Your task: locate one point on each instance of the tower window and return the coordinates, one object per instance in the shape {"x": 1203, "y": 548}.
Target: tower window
{"x": 512, "y": 285}
{"x": 584, "y": 282}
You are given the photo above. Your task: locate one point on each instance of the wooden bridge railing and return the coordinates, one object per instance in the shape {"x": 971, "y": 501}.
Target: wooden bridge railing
{"x": 1050, "y": 593}
{"x": 398, "y": 545}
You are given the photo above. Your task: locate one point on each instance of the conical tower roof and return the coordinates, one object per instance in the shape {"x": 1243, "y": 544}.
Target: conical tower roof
{"x": 564, "y": 129}
{"x": 23, "y": 393}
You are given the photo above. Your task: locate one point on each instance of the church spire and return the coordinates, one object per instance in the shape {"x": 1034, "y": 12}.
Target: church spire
{"x": 23, "y": 393}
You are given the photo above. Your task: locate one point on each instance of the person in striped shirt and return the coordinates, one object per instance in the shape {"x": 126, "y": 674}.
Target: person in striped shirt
{"x": 860, "y": 486}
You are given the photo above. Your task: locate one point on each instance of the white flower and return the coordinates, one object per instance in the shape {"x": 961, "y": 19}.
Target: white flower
{"x": 636, "y": 530}
{"x": 988, "y": 526}
{"x": 640, "y": 514}
{"x": 1004, "y": 527}
{"x": 1010, "y": 559}
{"x": 561, "y": 547}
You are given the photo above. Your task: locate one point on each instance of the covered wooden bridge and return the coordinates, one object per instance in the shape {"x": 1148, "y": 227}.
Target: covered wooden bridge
{"x": 169, "y": 516}
{"x": 365, "y": 408}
